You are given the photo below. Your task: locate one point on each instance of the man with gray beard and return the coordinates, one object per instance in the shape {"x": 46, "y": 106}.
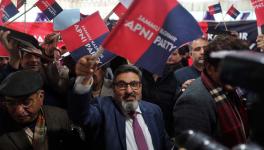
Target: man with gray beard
{"x": 119, "y": 122}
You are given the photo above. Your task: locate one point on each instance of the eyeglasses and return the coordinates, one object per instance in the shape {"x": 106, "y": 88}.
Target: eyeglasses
{"x": 121, "y": 85}
{"x": 26, "y": 102}
{"x": 199, "y": 48}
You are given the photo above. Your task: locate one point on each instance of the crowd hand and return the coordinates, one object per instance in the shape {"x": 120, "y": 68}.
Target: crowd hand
{"x": 86, "y": 67}
{"x": 62, "y": 69}
{"x": 186, "y": 84}
{"x": 260, "y": 42}
{"x": 10, "y": 44}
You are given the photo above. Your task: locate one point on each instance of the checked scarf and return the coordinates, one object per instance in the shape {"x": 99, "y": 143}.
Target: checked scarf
{"x": 40, "y": 140}
{"x": 232, "y": 118}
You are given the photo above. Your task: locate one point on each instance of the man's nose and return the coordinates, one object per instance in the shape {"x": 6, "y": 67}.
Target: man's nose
{"x": 129, "y": 89}
{"x": 20, "y": 109}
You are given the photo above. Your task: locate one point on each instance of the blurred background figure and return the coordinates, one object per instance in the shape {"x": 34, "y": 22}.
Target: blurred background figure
{"x": 161, "y": 90}
{"x": 3, "y": 61}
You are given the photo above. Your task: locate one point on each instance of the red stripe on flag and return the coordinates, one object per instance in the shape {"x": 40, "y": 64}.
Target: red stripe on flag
{"x": 4, "y": 3}
{"x": 259, "y": 10}
{"x": 20, "y": 3}
{"x": 44, "y": 4}
{"x": 83, "y": 32}
{"x": 131, "y": 37}
{"x": 120, "y": 10}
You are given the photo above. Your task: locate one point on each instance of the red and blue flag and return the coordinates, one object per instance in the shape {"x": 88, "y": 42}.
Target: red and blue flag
{"x": 233, "y": 12}
{"x": 8, "y": 10}
{"x": 214, "y": 9}
{"x": 151, "y": 30}
{"x": 86, "y": 36}
{"x": 49, "y": 7}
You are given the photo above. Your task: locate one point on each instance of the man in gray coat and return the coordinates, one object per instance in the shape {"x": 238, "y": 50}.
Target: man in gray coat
{"x": 211, "y": 107}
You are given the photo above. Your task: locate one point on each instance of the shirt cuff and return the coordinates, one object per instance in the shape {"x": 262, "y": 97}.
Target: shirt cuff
{"x": 79, "y": 88}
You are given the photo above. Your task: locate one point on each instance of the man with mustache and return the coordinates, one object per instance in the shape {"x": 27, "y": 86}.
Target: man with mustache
{"x": 119, "y": 122}
{"x": 25, "y": 124}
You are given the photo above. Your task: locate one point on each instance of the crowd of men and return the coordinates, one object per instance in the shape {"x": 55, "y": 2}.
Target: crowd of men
{"x": 48, "y": 103}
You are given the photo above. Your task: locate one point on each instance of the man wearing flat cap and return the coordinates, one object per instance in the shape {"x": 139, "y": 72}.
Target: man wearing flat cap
{"x": 25, "y": 123}
{"x": 25, "y": 53}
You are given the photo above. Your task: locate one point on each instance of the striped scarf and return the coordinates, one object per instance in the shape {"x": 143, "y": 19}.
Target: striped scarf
{"x": 40, "y": 140}
{"x": 232, "y": 117}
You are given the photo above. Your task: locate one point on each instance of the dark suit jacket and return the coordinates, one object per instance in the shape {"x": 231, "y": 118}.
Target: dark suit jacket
{"x": 195, "y": 109}
{"x": 106, "y": 123}
{"x": 13, "y": 137}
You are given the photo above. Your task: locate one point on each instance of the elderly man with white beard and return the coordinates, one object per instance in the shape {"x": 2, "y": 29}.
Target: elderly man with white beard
{"x": 119, "y": 122}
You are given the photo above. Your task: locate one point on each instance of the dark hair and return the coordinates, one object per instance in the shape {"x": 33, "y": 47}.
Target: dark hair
{"x": 183, "y": 50}
{"x": 126, "y": 69}
{"x": 223, "y": 43}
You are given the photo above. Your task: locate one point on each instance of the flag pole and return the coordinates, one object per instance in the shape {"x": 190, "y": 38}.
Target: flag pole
{"x": 259, "y": 30}
{"x": 99, "y": 52}
{"x": 223, "y": 21}
{"x": 108, "y": 16}
{"x": 25, "y": 16}
{"x": 19, "y": 15}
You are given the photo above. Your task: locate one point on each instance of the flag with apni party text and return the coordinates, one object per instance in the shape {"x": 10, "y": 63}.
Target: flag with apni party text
{"x": 49, "y": 7}
{"x": 85, "y": 38}
{"x": 150, "y": 31}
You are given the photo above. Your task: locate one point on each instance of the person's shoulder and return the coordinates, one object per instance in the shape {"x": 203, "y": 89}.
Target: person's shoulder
{"x": 182, "y": 70}
{"x": 149, "y": 106}
{"x": 195, "y": 93}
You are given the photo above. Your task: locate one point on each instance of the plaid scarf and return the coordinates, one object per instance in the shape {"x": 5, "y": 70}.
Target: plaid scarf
{"x": 40, "y": 140}
{"x": 231, "y": 113}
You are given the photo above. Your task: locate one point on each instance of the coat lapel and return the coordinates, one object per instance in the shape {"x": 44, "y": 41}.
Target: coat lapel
{"x": 148, "y": 118}
{"x": 20, "y": 139}
{"x": 121, "y": 124}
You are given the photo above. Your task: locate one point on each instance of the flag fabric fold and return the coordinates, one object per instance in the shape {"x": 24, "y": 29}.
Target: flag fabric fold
{"x": 208, "y": 16}
{"x": 259, "y": 10}
{"x": 244, "y": 15}
{"x": 233, "y": 12}
{"x": 41, "y": 18}
{"x": 214, "y": 9}
{"x": 119, "y": 10}
{"x": 86, "y": 36}
{"x": 49, "y": 7}
{"x": 20, "y": 3}
{"x": 8, "y": 10}
{"x": 147, "y": 35}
